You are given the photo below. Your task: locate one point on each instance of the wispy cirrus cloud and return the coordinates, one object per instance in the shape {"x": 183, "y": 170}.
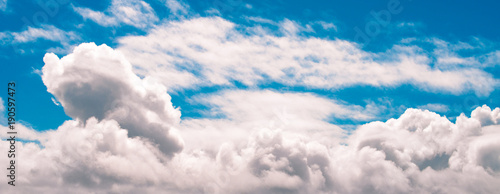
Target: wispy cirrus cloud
{"x": 211, "y": 51}
{"x": 177, "y": 7}
{"x": 3, "y": 5}
{"x": 46, "y": 32}
{"x": 134, "y": 13}
{"x": 139, "y": 14}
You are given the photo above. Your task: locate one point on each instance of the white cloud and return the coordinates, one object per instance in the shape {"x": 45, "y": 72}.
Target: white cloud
{"x": 96, "y": 81}
{"x": 3, "y": 5}
{"x": 492, "y": 59}
{"x": 420, "y": 152}
{"x": 260, "y": 20}
{"x": 447, "y": 57}
{"x": 46, "y": 32}
{"x": 210, "y": 51}
{"x": 134, "y": 13}
{"x": 327, "y": 25}
{"x": 120, "y": 141}
{"x": 92, "y": 155}
{"x": 253, "y": 105}
{"x": 441, "y": 108}
{"x": 289, "y": 28}
{"x": 55, "y": 102}
{"x": 486, "y": 116}
{"x": 177, "y": 7}
{"x": 238, "y": 112}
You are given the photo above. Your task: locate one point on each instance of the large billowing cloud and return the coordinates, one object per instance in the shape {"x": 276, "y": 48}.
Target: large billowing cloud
{"x": 96, "y": 81}
{"x": 420, "y": 152}
{"x": 123, "y": 139}
{"x": 106, "y": 150}
{"x": 91, "y": 155}
{"x": 214, "y": 51}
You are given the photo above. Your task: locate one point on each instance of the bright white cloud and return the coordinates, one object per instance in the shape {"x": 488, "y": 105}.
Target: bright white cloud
{"x": 127, "y": 137}
{"x": 210, "y": 51}
{"x": 134, "y": 13}
{"x": 120, "y": 141}
{"x": 420, "y": 152}
{"x": 94, "y": 154}
{"x": 268, "y": 142}
{"x": 486, "y": 116}
{"x": 239, "y": 111}
{"x": 254, "y": 105}
{"x": 96, "y": 81}
{"x": 55, "y": 102}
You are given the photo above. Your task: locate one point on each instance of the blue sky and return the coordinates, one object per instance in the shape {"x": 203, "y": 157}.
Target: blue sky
{"x": 234, "y": 96}
{"x": 452, "y": 22}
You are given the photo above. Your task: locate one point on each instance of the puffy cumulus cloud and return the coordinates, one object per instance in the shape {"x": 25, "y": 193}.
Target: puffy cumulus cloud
{"x": 239, "y": 111}
{"x": 134, "y": 13}
{"x": 96, "y": 81}
{"x": 271, "y": 163}
{"x": 28, "y": 134}
{"x": 486, "y": 116}
{"x": 214, "y": 51}
{"x": 419, "y": 152}
{"x": 96, "y": 155}
{"x": 123, "y": 140}
{"x": 423, "y": 144}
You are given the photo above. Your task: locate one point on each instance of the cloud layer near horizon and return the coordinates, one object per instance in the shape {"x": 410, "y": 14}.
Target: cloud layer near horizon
{"x": 126, "y": 143}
